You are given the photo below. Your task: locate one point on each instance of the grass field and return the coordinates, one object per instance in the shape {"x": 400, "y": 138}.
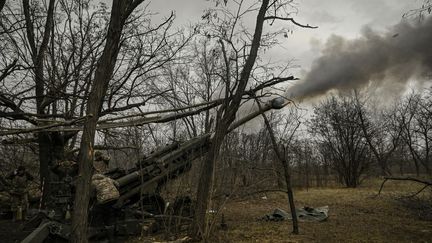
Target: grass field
{"x": 356, "y": 215}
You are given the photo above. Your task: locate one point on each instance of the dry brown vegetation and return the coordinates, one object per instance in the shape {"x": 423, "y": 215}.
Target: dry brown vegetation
{"x": 356, "y": 215}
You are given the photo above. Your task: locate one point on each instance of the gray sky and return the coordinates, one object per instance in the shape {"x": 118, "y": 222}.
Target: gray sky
{"x": 344, "y": 18}
{"x": 341, "y": 17}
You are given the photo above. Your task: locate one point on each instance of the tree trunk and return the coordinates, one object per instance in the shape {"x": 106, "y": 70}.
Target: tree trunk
{"x": 38, "y": 55}
{"x": 290, "y": 193}
{"x": 282, "y": 158}
{"x": 229, "y": 111}
{"x": 417, "y": 167}
{"x": 51, "y": 149}
{"x": 104, "y": 71}
{"x": 45, "y": 159}
{"x": 205, "y": 187}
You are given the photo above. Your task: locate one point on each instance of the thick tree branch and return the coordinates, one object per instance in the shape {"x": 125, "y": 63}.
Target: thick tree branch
{"x": 8, "y": 70}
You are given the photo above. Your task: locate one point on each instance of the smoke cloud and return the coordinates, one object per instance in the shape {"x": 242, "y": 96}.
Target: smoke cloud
{"x": 389, "y": 60}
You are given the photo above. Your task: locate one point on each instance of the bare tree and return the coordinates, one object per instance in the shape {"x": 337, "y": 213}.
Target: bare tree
{"x": 336, "y": 124}
{"x": 120, "y": 12}
{"x": 225, "y": 116}
{"x": 381, "y": 134}
{"x": 50, "y": 57}
{"x": 239, "y": 63}
{"x": 282, "y": 158}
{"x": 37, "y": 92}
{"x": 414, "y": 116}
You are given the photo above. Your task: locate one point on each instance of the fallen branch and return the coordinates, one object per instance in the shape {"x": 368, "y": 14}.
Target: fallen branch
{"x": 426, "y": 183}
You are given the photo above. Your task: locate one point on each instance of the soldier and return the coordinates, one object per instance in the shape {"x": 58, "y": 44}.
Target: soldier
{"x": 19, "y": 194}
{"x": 101, "y": 162}
{"x": 105, "y": 187}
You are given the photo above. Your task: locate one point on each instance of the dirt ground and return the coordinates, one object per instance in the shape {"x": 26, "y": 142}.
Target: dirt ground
{"x": 355, "y": 215}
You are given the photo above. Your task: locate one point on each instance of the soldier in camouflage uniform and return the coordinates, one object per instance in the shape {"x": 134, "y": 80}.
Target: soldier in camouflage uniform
{"x": 105, "y": 187}
{"x": 19, "y": 193}
{"x": 100, "y": 162}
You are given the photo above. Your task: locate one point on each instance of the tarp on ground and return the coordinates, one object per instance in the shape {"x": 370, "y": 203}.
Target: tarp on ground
{"x": 305, "y": 214}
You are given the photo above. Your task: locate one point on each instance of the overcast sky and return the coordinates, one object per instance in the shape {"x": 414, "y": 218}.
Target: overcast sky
{"x": 341, "y": 17}
{"x": 345, "y": 18}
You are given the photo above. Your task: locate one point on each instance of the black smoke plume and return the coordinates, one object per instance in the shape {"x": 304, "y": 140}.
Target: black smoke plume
{"x": 393, "y": 58}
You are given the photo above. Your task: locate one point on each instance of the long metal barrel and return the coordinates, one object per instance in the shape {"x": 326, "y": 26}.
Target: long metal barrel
{"x": 276, "y": 103}
{"x": 191, "y": 149}
{"x": 146, "y": 164}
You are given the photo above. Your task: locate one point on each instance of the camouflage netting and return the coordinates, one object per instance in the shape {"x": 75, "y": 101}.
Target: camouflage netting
{"x": 105, "y": 187}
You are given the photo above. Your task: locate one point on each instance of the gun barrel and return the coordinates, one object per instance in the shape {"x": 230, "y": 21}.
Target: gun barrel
{"x": 176, "y": 159}
{"x": 276, "y": 103}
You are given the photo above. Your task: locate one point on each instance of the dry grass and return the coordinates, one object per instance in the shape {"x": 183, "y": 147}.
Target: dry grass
{"x": 355, "y": 216}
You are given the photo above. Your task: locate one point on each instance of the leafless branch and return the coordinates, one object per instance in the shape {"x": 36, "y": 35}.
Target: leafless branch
{"x": 292, "y": 21}
{"x": 426, "y": 183}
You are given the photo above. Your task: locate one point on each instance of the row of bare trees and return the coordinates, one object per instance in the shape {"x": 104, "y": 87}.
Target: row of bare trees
{"x": 347, "y": 139}
{"x": 357, "y": 134}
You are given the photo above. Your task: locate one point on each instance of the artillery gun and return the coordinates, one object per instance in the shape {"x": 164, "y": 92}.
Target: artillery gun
{"x": 138, "y": 189}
